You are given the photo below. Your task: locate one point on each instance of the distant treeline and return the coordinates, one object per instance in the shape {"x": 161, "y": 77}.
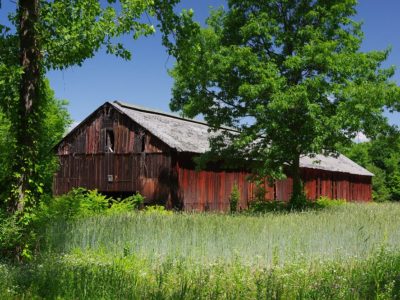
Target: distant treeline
{"x": 381, "y": 156}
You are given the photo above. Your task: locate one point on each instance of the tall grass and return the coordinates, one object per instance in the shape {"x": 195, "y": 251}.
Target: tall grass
{"x": 94, "y": 276}
{"x": 349, "y": 252}
{"x": 348, "y": 231}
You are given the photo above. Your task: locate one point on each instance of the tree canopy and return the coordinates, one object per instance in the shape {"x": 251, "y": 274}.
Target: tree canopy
{"x": 289, "y": 75}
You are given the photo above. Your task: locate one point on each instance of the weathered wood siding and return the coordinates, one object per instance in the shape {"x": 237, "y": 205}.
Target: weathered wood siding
{"x": 129, "y": 137}
{"x": 210, "y": 190}
{"x": 140, "y": 162}
{"x": 336, "y": 185}
{"x": 146, "y": 173}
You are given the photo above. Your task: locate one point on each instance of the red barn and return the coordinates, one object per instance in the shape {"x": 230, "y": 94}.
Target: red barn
{"x": 120, "y": 149}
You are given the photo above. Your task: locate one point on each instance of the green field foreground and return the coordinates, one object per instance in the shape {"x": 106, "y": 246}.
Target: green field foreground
{"x": 347, "y": 252}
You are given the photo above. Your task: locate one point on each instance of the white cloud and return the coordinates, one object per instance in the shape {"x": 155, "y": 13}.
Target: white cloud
{"x": 361, "y": 138}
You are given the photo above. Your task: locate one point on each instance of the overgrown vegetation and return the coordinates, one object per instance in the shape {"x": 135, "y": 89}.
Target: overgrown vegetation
{"x": 80, "y": 203}
{"x": 234, "y": 198}
{"x": 56, "y": 121}
{"x": 16, "y": 235}
{"x": 261, "y": 206}
{"x": 350, "y": 252}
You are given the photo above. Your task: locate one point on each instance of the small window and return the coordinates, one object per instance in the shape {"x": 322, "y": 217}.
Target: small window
{"x": 143, "y": 139}
{"x": 109, "y": 140}
{"x": 107, "y": 111}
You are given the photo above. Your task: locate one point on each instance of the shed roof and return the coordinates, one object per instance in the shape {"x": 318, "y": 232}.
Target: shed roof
{"x": 188, "y": 135}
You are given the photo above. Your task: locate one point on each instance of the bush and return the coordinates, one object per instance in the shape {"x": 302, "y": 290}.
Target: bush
{"x": 128, "y": 204}
{"x": 262, "y": 206}
{"x": 325, "y": 202}
{"x": 157, "y": 210}
{"x": 18, "y": 235}
{"x": 77, "y": 203}
{"x": 234, "y": 198}
{"x": 11, "y": 233}
{"x": 299, "y": 202}
{"x": 81, "y": 203}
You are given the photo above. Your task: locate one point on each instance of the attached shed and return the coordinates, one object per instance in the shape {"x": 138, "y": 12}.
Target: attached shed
{"x": 120, "y": 149}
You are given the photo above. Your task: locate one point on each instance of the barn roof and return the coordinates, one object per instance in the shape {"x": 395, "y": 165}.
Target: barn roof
{"x": 184, "y": 135}
{"x": 336, "y": 164}
{"x": 188, "y": 135}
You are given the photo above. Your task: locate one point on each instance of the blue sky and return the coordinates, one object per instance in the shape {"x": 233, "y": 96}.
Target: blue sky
{"x": 145, "y": 81}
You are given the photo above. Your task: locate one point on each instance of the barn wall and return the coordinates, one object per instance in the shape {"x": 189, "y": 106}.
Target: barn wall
{"x": 336, "y": 185}
{"x": 182, "y": 186}
{"x": 211, "y": 189}
{"x": 146, "y": 173}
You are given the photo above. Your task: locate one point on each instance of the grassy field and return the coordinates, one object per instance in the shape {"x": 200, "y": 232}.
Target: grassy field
{"x": 348, "y": 252}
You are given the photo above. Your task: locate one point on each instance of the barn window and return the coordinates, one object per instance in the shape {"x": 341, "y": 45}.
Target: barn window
{"x": 107, "y": 111}
{"x": 109, "y": 140}
{"x": 143, "y": 144}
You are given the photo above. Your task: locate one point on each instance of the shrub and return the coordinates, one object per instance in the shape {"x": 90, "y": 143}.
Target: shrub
{"x": 135, "y": 200}
{"x": 18, "y": 234}
{"x": 11, "y": 233}
{"x": 77, "y": 203}
{"x": 127, "y": 204}
{"x": 92, "y": 203}
{"x": 81, "y": 203}
{"x": 299, "y": 202}
{"x": 262, "y": 206}
{"x": 157, "y": 210}
{"x": 325, "y": 202}
{"x": 234, "y": 198}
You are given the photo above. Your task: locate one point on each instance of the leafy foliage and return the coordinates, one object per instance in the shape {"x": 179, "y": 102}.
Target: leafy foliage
{"x": 289, "y": 76}
{"x": 157, "y": 210}
{"x": 80, "y": 203}
{"x": 234, "y": 198}
{"x": 56, "y": 120}
{"x": 382, "y": 157}
{"x": 262, "y": 206}
{"x": 128, "y": 204}
{"x": 325, "y": 202}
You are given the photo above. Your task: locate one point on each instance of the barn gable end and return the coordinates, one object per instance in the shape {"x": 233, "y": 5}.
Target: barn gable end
{"x": 113, "y": 154}
{"x": 122, "y": 149}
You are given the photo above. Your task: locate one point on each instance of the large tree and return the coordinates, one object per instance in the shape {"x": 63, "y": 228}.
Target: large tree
{"x": 289, "y": 75}
{"x": 55, "y": 35}
{"x": 51, "y": 34}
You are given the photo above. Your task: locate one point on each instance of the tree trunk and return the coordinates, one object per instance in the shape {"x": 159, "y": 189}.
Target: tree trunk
{"x": 26, "y": 120}
{"x": 297, "y": 199}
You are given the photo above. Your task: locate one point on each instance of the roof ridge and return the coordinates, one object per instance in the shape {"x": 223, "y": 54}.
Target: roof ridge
{"x": 171, "y": 115}
{"x": 158, "y": 112}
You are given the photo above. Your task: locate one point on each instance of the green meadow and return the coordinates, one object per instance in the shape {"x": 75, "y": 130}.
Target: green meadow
{"x": 346, "y": 252}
